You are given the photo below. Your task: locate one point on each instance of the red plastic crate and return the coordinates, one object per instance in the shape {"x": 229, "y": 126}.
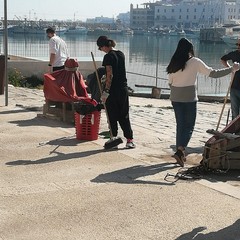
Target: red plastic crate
{"x": 87, "y": 126}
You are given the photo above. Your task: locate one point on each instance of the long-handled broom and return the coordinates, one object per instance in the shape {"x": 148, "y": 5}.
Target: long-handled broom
{"x": 225, "y": 101}
{"x": 114, "y": 141}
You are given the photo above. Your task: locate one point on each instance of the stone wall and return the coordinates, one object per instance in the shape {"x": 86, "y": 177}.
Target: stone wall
{"x": 29, "y": 67}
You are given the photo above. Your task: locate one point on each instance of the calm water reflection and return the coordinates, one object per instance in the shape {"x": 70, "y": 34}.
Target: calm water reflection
{"x": 142, "y": 55}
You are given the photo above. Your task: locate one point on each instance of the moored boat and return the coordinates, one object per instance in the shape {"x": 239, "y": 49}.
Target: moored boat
{"x": 9, "y": 28}
{"x": 27, "y": 30}
{"x": 176, "y": 32}
{"x": 76, "y": 30}
{"x": 230, "y": 40}
{"x": 127, "y": 32}
{"x": 192, "y": 33}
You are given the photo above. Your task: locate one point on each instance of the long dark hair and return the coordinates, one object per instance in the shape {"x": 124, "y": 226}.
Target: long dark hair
{"x": 181, "y": 56}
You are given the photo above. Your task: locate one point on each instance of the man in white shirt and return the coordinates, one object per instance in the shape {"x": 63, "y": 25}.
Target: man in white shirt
{"x": 57, "y": 49}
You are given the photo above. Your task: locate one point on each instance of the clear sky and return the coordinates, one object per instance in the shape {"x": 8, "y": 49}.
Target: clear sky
{"x": 67, "y": 9}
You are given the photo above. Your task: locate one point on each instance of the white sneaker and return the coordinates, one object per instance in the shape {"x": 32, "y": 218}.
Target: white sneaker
{"x": 130, "y": 145}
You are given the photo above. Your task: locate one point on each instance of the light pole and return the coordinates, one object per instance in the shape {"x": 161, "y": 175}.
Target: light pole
{"x": 74, "y": 16}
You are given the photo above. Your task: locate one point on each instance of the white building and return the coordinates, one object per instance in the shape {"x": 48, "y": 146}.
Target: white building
{"x": 185, "y": 13}
{"x": 231, "y": 12}
{"x": 189, "y": 13}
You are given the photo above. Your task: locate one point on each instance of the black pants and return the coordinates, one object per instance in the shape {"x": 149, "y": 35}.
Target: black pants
{"x": 117, "y": 105}
{"x": 58, "y": 68}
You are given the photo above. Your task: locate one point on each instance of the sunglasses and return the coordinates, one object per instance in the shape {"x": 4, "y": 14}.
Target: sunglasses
{"x": 237, "y": 44}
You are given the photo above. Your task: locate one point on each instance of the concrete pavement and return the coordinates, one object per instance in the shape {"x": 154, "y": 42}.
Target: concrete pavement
{"x": 56, "y": 187}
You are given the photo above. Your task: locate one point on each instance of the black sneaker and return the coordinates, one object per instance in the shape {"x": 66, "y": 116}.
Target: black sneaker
{"x": 180, "y": 157}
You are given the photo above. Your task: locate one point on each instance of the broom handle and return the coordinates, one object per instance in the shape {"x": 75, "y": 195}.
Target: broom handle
{"x": 225, "y": 101}
{"x": 100, "y": 89}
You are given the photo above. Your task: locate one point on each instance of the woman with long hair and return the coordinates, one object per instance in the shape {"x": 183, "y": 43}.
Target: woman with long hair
{"x": 183, "y": 69}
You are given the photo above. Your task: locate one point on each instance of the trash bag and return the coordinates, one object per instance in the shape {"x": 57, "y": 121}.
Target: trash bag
{"x": 87, "y": 106}
{"x": 84, "y": 109}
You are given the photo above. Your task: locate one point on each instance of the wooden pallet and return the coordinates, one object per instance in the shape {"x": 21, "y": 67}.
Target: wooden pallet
{"x": 62, "y": 111}
{"x": 222, "y": 150}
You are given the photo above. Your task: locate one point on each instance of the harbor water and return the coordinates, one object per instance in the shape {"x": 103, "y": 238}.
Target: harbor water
{"x": 146, "y": 56}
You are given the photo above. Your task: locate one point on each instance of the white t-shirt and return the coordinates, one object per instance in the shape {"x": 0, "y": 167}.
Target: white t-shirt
{"x": 58, "y": 47}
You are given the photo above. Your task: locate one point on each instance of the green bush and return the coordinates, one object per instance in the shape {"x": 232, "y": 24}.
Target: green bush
{"x": 16, "y": 78}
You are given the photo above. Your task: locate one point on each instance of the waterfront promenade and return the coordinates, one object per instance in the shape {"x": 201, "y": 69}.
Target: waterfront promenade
{"x": 56, "y": 187}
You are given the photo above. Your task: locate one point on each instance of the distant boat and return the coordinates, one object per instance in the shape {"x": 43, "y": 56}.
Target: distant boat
{"x": 176, "y": 32}
{"x": 76, "y": 30}
{"x": 139, "y": 31}
{"x": 192, "y": 33}
{"x": 149, "y": 33}
{"x": 60, "y": 30}
{"x": 114, "y": 31}
{"x": 104, "y": 31}
{"x": 9, "y": 28}
{"x": 98, "y": 31}
{"x": 27, "y": 30}
{"x": 127, "y": 32}
{"x": 230, "y": 40}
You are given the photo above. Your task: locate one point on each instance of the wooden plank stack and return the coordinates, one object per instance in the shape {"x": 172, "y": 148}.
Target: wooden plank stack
{"x": 222, "y": 150}
{"x": 62, "y": 111}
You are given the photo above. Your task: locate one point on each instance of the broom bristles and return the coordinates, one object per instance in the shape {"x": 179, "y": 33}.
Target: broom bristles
{"x": 113, "y": 142}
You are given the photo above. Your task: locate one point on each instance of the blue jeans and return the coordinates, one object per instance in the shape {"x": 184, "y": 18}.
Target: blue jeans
{"x": 235, "y": 102}
{"x": 185, "y": 114}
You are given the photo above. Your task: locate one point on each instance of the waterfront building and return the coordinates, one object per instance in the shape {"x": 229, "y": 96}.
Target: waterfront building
{"x": 124, "y": 18}
{"x": 188, "y": 14}
{"x": 185, "y": 14}
{"x": 231, "y": 12}
{"x": 100, "y": 20}
{"x": 142, "y": 18}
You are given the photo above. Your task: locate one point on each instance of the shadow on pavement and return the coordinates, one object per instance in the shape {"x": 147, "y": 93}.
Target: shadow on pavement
{"x": 63, "y": 141}
{"x": 37, "y": 121}
{"x": 190, "y": 150}
{"x": 60, "y": 157}
{"x": 198, "y": 150}
{"x": 130, "y": 175}
{"x": 14, "y": 111}
{"x": 230, "y": 175}
{"x": 231, "y": 232}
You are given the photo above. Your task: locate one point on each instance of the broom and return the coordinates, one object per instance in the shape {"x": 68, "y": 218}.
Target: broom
{"x": 225, "y": 101}
{"x": 114, "y": 141}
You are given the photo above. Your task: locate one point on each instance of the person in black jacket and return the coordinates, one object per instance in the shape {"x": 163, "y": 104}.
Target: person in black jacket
{"x": 234, "y": 56}
{"x": 92, "y": 83}
{"x": 115, "y": 94}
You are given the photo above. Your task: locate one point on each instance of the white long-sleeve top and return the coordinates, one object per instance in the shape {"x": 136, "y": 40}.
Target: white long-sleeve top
{"x": 188, "y": 76}
{"x": 183, "y": 83}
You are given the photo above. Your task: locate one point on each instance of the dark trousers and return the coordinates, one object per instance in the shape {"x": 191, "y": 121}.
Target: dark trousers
{"x": 58, "y": 68}
{"x": 235, "y": 102}
{"x": 117, "y": 105}
{"x": 185, "y": 114}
